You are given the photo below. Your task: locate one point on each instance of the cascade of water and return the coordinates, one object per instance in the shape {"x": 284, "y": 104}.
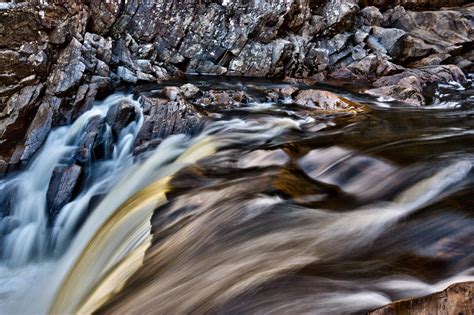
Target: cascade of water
{"x": 27, "y": 232}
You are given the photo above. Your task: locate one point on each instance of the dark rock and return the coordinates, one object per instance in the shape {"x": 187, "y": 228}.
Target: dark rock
{"x": 456, "y": 299}
{"x": 165, "y": 118}
{"x": 121, "y": 54}
{"x": 73, "y": 50}
{"x": 93, "y": 145}
{"x": 63, "y": 185}
{"x": 119, "y": 116}
{"x": 36, "y": 133}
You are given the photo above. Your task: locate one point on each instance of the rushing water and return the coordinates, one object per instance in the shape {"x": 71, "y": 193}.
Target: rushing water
{"x": 268, "y": 209}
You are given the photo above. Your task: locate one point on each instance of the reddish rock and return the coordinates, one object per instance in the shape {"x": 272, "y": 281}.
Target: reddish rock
{"x": 327, "y": 101}
{"x": 456, "y": 299}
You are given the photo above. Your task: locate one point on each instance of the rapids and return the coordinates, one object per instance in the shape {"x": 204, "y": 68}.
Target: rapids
{"x": 262, "y": 210}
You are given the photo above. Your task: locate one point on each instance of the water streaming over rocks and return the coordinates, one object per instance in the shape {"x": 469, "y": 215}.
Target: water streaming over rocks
{"x": 272, "y": 207}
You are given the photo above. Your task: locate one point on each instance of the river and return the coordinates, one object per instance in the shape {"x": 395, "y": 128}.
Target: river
{"x": 263, "y": 209}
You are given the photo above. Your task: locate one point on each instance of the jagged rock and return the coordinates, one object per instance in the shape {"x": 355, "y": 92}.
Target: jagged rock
{"x": 145, "y": 77}
{"x": 415, "y": 4}
{"x": 432, "y": 74}
{"x": 74, "y": 49}
{"x": 144, "y": 65}
{"x": 93, "y": 145}
{"x": 371, "y": 16}
{"x": 126, "y": 75}
{"x": 189, "y": 90}
{"x": 403, "y": 94}
{"x": 164, "y": 118}
{"x": 119, "y": 116}
{"x": 456, "y": 299}
{"x": 69, "y": 69}
{"x": 37, "y": 132}
{"x": 62, "y": 186}
{"x": 407, "y": 86}
{"x": 388, "y": 38}
{"x": 103, "y": 14}
{"x": 121, "y": 54}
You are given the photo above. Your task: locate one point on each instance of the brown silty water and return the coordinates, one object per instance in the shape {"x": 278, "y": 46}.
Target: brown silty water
{"x": 363, "y": 211}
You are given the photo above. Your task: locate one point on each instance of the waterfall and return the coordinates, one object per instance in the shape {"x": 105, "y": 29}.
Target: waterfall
{"x": 27, "y": 234}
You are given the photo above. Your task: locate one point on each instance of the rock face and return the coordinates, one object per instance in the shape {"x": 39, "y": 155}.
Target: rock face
{"x": 456, "y": 299}
{"x": 57, "y": 57}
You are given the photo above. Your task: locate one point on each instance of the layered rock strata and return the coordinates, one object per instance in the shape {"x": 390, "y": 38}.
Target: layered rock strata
{"x": 57, "y": 57}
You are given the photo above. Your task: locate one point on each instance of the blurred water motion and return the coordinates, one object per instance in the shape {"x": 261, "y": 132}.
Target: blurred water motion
{"x": 267, "y": 211}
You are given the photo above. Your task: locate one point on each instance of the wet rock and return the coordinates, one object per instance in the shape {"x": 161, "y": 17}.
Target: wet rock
{"x": 36, "y": 133}
{"x": 171, "y": 92}
{"x": 62, "y": 187}
{"x": 126, "y": 75}
{"x": 408, "y": 85}
{"x": 288, "y": 92}
{"x": 94, "y": 145}
{"x": 74, "y": 50}
{"x": 400, "y": 93}
{"x": 456, "y": 299}
{"x": 3, "y": 168}
{"x": 119, "y": 116}
{"x": 355, "y": 174}
{"x": 164, "y": 118}
{"x": 189, "y": 90}
{"x": 325, "y": 100}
